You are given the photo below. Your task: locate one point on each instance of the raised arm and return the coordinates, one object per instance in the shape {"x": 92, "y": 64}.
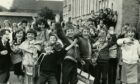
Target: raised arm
{"x": 71, "y": 45}
{"x": 60, "y": 32}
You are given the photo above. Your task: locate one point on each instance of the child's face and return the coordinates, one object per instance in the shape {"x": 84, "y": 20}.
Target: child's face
{"x": 85, "y": 32}
{"x": 30, "y": 36}
{"x": 111, "y": 30}
{"x": 24, "y": 24}
{"x": 42, "y": 25}
{"x": 5, "y": 37}
{"x": 101, "y": 22}
{"x": 130, "y": 34}
{"x": 53, "y": 39}
{"x": 92, "y": 32}
{"x": 70, "y": 32}
{"x": 53, "y": 26}
{"x": 102, "y": 33}
{"x": 14, "y": 25}
{"x": 6, "y": 24}
{"x": 80, "y": 29}
{"x": 19, "y": 35}
{"x": 102, "y": 39}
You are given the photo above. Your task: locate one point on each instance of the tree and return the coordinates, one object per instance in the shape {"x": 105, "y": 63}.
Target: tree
{"x": 46, "y": 13}
{"x": 13, "y": 9}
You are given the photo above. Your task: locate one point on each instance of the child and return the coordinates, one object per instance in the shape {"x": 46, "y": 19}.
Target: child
{"x": 102, "y": 46}
{"x": 129, "y": 46}
{"x": 113, "y": 59}
{"x": 54, "y": 52}
{"x": 30, "y": 50}
{"x": 69, "y": 67}
{"x": 42, "y": 29}
{"x": 85, "y": 49}
{"x": 5, "y": 60}
{"x": 17, "y": 54}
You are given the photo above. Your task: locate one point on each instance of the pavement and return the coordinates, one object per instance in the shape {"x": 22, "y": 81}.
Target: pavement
{"x": 13, "y": 79}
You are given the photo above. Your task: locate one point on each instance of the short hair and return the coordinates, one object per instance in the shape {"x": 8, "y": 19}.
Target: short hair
{"x": 53, "y": 34}
{"x": 102, "y": 33}
{"x": 17, "y": 31}
{"x": 40, "y": 21}
{"x": 7, "y": 21}
{"x": 85, "y": 28}
{"x": 32, "y": 31}
{"x": 127, "y": 24}
{"x": 90, "y": 19}
{"x": 131, "y": 29}
{"x": 68, "y": 27}
{"x": 24, "y": 21}
{"x": 3, "y": 31}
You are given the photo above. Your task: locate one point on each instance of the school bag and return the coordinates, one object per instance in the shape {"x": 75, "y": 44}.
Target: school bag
{"x": 84, "y": 78}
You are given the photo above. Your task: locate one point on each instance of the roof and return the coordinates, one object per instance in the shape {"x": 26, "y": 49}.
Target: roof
{"x": 17, "y": 14}
{"x": 34, "y": 5}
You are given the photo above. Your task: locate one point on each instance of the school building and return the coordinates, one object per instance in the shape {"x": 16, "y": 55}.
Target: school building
{"x": 128, "y": 10}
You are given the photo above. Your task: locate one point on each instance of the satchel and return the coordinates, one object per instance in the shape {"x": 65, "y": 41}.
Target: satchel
{"x": 84, "y": 78}
{"x": 36, "y": 67}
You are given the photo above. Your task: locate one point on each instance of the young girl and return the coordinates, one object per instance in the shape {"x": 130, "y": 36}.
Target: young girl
{"x": 16, "y": 55}
{"x": 30, "y": 49}
{"x": 129, "y": 46}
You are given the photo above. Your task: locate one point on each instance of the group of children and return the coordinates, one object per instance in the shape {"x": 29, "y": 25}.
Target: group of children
{"x": 95, "y": 49}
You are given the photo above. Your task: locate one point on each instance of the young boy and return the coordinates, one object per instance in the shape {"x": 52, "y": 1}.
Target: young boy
{"x": 85, "y": 49}
{"x": 113, "y": 56}
{"x": 5, "y": 60}
{"x": 129, "y": 46}
{"x": 54, "y": 52}
{"x": 30, "y": 50}
{"x": 69, "y": 67}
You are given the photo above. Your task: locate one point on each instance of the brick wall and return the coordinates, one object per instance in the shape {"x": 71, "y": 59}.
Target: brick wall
{"x": 130, "y": 11}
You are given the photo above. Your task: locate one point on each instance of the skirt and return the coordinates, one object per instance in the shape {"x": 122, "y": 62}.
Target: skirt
{"x": 129, "y": 73}
{"x": 18, "y": 69}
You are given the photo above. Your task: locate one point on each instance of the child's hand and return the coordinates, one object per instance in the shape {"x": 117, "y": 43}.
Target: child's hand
{"x": 83, "y": 62}
{"x": 128, "y": 41}
{"x": 75, "y": 41}
{"x": 57, "y": 18}
{"x": 48, "y": 50}
{"x": 4, "y": 52}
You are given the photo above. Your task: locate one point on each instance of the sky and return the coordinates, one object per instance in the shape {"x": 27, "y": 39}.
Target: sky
{"x": 6, "y": 3}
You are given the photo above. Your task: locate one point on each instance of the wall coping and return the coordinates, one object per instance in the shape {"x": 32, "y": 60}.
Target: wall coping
{"x": 18, "y": 14}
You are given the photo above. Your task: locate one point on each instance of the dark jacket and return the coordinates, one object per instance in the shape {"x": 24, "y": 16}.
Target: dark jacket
{"x": 49, "y": 62}
{"x": 5, "y": 60}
